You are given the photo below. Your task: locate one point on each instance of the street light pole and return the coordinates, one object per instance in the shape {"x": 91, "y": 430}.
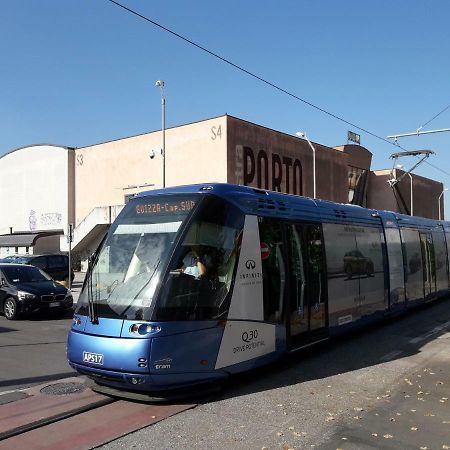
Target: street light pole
{"x": 160, "y": 84}
{"x": 439, "y": 202}
{"x": 303, "y": 136}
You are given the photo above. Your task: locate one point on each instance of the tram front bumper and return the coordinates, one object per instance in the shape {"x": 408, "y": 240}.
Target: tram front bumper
{"x": 148, "y": 364}
{"x": 147, "y": 382}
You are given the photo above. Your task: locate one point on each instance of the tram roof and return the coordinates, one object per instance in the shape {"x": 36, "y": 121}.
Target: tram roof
{"x": 254, "y": 200}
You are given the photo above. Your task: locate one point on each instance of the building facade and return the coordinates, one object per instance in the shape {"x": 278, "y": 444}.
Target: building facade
{"x": 36, "y": 194}
{"x": 412, "y": 195}
{"x": 47, "y": 187}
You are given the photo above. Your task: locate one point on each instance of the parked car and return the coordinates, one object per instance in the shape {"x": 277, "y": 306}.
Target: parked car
{"x": 355, "y": 263}
{"x": 28, "y": 289}
{"x": 9, "y": 259}
{"x": 57, "y": 266}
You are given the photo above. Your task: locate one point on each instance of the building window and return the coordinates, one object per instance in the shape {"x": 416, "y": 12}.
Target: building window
{"x": 356, "y": 185}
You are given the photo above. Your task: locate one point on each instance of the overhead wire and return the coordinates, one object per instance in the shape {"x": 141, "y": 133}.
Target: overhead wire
{"x": 434, "y": 117}
{"x": 248, "y": 72}
{"x": 271, "y": 84}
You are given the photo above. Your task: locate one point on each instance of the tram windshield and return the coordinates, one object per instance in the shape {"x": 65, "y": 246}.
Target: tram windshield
{"x": 127, "y": 270}
{"x": 198, "y": 283}
{"x": 134, "y": 260}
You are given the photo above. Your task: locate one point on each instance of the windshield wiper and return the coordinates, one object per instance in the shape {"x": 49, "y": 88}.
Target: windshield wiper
{"x": 93, "y": 316}
{"x": 92, "y": 313}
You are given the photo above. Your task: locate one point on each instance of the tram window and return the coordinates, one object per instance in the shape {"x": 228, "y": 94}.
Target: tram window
{"x": 396, "y": 269}
{"x": 441, "y": 260}
{"x": 273, "y": 268}
{"x": 201, "y": 271}
{"x": 370, "y": 241}
{"x": 413, "y": 263}
{"x": 343, "y": 271}
{"x": 447, "y": 240}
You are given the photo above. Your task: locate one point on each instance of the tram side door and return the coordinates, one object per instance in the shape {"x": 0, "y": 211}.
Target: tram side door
{"x": 429, "y": 268}
{"x": 307, "y": 298}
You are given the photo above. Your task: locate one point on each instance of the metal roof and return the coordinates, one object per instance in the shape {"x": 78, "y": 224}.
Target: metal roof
{"x": 25, "y": 239}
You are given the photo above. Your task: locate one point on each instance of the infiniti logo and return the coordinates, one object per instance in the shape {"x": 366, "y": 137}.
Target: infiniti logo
{"x": 250, "y": 264}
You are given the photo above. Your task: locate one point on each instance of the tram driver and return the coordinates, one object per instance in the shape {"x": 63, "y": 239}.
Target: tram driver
{"x": 194, "y": 263}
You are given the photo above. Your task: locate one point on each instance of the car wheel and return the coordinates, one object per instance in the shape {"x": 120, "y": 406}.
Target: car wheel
{"x": 10, "y": 309}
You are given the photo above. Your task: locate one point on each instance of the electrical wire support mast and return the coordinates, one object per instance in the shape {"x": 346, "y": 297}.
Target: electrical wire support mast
{"x": 417, "y": 133}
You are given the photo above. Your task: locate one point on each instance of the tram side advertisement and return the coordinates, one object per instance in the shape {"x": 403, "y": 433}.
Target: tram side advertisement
{"x": 245, "y": 335}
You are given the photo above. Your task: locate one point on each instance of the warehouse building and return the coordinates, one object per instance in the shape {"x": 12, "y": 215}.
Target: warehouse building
{"x": 44, "y": 188}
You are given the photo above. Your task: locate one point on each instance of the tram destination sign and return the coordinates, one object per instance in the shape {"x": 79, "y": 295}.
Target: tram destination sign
{"x": 164, "y": 207}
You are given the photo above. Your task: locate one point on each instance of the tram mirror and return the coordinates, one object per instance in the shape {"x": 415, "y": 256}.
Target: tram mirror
{"x": 202, "y": 233}
{"x": 210, "y": 234}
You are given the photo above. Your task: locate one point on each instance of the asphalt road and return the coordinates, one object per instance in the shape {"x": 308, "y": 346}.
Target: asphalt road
{"x": 33, "y": 350}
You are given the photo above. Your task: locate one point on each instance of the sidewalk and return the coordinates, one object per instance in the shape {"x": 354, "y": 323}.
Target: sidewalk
{"x": 77, "y": 285}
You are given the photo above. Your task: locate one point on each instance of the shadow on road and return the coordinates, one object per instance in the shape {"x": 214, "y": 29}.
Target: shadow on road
{"x": 34, "y": 380}
{"x": 355, "y": 351}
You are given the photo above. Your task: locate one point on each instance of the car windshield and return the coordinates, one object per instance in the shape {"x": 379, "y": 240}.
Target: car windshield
{"x": 127, "y": 270}
{"x": 24, "y": 274}
{"x": 19, "y": 259}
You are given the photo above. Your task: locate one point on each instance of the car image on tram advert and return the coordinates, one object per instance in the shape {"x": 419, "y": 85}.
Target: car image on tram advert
{"x": 192, "y": 284}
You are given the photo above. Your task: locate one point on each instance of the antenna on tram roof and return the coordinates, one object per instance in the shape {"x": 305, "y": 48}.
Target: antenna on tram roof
{"x": 426, "y": 154}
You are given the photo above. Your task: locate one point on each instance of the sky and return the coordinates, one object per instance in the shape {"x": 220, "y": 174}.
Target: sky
{"x": 81, "y": 72}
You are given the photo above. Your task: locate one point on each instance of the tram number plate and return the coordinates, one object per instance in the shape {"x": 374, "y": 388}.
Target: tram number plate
{"x": 93, "y": 358}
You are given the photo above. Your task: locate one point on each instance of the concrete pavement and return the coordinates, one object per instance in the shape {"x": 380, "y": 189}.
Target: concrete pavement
{"x": 77, "y": 285}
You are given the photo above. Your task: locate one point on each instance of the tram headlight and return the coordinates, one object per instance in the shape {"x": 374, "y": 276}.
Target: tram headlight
{"x": 152, "y": 329}
{"x": 144, "y": 328}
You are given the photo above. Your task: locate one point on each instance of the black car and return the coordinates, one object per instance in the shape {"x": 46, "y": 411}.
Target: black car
{"x": 356, "y": 263}
{"x": 10, "y": 259}
{"x": 57, "y": 266}
{"x": 27, "y": 289}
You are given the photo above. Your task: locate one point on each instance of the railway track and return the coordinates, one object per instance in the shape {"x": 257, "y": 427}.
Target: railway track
{"x": 69, "y": 415}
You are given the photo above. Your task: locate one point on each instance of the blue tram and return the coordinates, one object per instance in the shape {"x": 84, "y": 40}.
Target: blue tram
{"x": 194, "y": 283}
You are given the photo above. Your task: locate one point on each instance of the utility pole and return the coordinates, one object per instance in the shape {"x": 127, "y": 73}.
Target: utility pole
{"x": 160, "y": 84}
